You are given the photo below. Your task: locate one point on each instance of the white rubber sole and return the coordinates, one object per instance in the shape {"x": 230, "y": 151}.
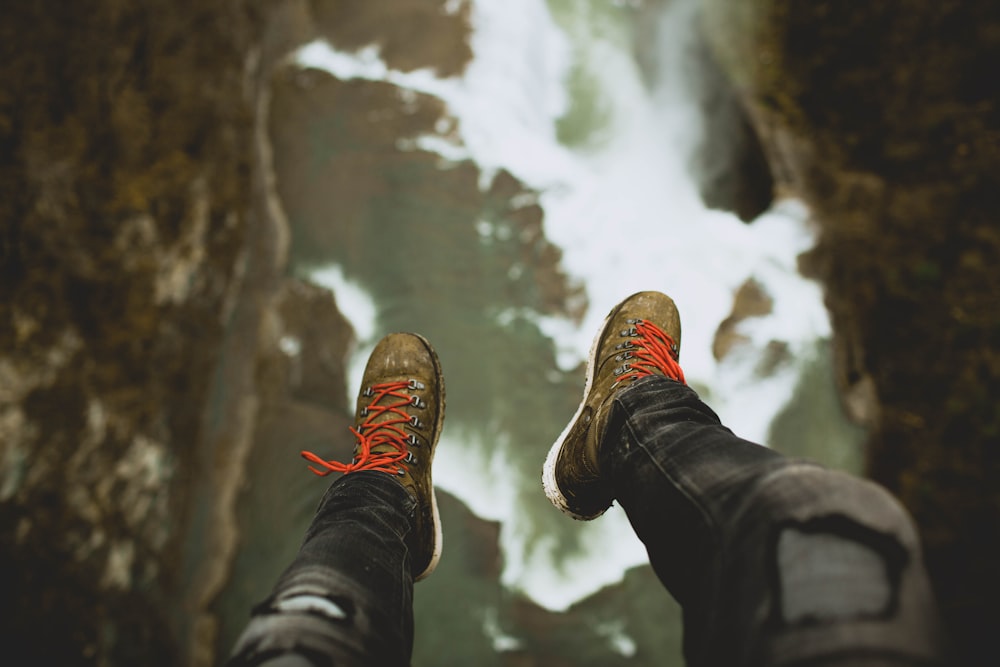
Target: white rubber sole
{"x": 438, "y": 540}
{"x": 438, "y": 534}
{"x": 552, "y": 491}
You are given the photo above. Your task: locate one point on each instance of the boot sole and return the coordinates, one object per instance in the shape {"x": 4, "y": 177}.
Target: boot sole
{"x": 552, "y": 491}
{"x": 438, "y": 535}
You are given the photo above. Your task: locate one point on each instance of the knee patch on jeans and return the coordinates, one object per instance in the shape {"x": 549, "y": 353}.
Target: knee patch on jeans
{"x": 311, "y": 603}
{"x": 312, "y": 595}
{"x": 294, "y": 625}
{"x": 832, "y": 568}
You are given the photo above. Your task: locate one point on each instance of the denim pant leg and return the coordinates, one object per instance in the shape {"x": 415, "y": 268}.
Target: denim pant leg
{"x": 774, "y": 561}
{"x": 347, "y": 598}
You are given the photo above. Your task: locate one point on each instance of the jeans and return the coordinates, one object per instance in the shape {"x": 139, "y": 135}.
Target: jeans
{"x": 774, "y": 561}
{"x": 347, "y": 598}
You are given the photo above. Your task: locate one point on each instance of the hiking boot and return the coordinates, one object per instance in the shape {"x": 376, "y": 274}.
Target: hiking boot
{"x": 641, "y": 336}
{"x": 399, "y": 415}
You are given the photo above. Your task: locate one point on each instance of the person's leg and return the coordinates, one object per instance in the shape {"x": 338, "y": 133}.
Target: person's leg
{"x": 774, "y": 562}
{"x": 346, "y": 599}
{"x": 790, "y": 562}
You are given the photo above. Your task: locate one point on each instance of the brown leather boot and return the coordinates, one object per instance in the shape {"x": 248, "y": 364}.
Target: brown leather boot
{"x": 641, "y": 336}
{"x": 400, "y": 411}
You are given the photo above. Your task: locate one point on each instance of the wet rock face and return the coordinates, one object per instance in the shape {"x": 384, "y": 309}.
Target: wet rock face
{"x": 883, "y": 118}
{"x": 751, "y": 300}
{"x": 299, "y": 381}
{"x": 728, "y": 163}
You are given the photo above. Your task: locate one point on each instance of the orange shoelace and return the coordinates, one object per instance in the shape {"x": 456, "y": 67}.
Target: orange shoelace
{"x": 374, "y": 432}
{"x": 653, "y": 349}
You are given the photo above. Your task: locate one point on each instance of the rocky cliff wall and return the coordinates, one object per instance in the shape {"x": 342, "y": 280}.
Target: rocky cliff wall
{"x": 885, "y": 118}
{"x": 137, "y": 250}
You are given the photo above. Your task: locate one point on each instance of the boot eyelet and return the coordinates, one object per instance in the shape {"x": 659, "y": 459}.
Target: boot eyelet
{"x": 415, "y": 422}
{"x": 415, "y": 384}
{"x": 624, "y": 368}
{"x": 416, "y": 402}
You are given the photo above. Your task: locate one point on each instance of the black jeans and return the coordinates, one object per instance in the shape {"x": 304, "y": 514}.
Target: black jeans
{"x": 774, "y": 561}
{"x": 347, "y": 598}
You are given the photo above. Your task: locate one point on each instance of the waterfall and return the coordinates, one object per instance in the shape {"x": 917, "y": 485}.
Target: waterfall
{"x": 555, "y": 96}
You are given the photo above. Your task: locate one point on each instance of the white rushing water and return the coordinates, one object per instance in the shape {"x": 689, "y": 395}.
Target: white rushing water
{"x": 626, "y": 213}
